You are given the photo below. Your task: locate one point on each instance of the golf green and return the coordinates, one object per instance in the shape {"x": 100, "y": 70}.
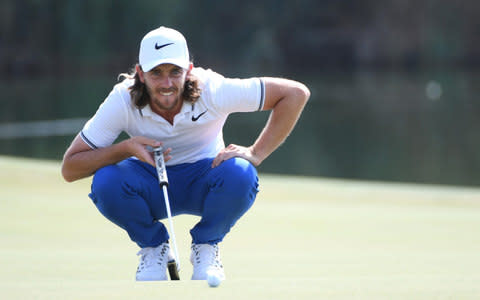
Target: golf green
{"x": 304, "y": 238}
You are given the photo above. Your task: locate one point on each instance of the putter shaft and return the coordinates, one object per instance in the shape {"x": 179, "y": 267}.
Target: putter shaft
{"x": 163, "y": 181}
{"x": 170, "y": 223}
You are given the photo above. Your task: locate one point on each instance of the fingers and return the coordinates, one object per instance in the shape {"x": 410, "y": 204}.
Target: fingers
{"x": 166, "y": 155}
{"x": 221, "y": 157}
{"x": 148, "y": 158}
{"x": 236, "y": 151}
{"x": 229, "y": 152}
{"x": 146, "y": 141}
{"x": 218, "y": 159}
{"x": 142, "y": 147}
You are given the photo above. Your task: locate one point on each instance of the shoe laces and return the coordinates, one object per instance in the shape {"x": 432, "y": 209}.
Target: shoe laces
{"x": 152, "y": 256}
{"x": 206, "y": 255}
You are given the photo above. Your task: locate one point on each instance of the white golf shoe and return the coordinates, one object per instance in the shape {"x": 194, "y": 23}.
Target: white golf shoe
{"x": 206, "y": 261}
{"x": 153, "y": 263}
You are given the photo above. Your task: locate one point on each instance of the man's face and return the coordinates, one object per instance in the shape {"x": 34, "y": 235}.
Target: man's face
{"x": 164, "y": 84}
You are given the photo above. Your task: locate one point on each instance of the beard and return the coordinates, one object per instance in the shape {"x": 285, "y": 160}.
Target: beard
{"x": 162, "y": 102}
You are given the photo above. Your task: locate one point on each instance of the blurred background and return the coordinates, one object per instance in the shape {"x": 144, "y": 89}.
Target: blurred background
{"x": 394, "y": 84}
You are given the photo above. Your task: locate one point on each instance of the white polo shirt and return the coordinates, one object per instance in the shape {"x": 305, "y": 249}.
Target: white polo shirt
{"x": 196, "y": 132}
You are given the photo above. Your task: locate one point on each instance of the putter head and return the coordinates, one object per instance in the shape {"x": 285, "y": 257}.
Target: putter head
{"x": 172, "y": 270}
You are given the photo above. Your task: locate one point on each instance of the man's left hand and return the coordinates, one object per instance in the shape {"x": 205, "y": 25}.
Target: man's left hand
{"x": 236, "y": 151}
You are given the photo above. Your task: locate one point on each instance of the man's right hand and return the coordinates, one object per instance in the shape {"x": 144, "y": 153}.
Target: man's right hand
{"x": 81, "y": 161}
{"x": 137, "y": 146}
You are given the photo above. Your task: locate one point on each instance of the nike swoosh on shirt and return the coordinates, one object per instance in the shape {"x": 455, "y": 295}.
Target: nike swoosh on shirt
{"x": 194, "y": 119}
{"x": 157, "y": 47}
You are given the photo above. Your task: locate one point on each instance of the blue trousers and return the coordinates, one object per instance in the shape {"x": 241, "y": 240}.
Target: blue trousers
{"x": 128, "y": 194}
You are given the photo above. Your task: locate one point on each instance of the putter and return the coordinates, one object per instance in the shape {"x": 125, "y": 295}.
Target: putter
{"x": 173, "y": 264}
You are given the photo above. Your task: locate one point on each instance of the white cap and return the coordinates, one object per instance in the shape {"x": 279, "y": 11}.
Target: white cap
{"x": 163, "y": 46}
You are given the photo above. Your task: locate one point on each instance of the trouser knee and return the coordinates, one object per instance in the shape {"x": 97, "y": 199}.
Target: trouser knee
{"x": 107, "y": 189}
{"x": 117, "y": 197}
{"x": 233, "y": 186}
{"x": 241, "y": 181}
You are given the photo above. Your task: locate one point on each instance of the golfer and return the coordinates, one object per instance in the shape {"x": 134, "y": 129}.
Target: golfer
{"x": 167, "y": 102}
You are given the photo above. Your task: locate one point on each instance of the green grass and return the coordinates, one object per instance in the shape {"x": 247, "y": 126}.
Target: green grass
{"x": 304, "y": 238}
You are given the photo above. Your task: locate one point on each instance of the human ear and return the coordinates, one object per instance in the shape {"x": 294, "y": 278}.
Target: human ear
{"x": 140, "y": 73}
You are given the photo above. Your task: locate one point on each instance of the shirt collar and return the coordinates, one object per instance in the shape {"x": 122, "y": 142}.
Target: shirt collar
{"x": 147, "y": 111}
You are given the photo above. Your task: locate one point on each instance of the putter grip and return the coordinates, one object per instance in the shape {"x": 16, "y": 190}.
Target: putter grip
{"x": 160, "y": 164}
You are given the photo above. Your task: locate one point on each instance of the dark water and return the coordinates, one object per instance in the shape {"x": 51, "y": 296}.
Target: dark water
{"x": 395, "y": 126}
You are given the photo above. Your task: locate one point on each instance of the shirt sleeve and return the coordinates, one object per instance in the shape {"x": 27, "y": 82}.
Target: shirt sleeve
{"x": 107, "y": 123}
{"x": 231, "y": 95}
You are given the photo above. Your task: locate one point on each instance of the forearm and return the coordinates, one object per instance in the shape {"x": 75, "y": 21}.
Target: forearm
{"x": 83, "y": 164}
{"x": 280, "y": 124}
{"x": 286, "y": 99}
{"x": 81, "y": 161}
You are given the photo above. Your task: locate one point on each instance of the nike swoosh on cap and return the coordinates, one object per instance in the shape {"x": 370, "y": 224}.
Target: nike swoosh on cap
{"x": 157, "y": 47}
